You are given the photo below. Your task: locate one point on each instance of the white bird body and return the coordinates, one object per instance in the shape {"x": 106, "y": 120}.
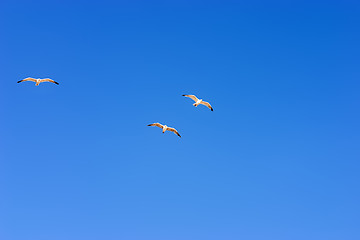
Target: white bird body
{"x": 199, "y": 101}
{"x": 165, "y": 128}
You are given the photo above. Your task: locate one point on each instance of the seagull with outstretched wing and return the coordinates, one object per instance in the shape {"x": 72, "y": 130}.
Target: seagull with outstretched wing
{"x": 38, "y": 80}
{"x": 199, "y": 101}
{"x": 165, "y": 128}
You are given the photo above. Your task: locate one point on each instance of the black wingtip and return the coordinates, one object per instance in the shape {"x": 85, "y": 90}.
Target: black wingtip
{"x": 19, "y": 81}
{"x": 184, "y": 94}
{"x": 212, "y": 109}
{"x": 56, "y": 83}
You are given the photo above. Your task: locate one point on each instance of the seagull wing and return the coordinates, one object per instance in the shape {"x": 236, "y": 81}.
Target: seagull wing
{"x": 49, "y": 80}
{"x": 156, "y": 124}
{"x": 207, "y": 104}
{"x": 173, "y": 130}
{"x": 27, "y": 79}
{"x": 193, "y": 97}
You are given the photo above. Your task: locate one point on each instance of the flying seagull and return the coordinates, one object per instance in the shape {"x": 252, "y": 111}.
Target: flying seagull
{"x": 199, "y": 101}
{"x": 164, "y": 128}
{"x": 38, "y": 80}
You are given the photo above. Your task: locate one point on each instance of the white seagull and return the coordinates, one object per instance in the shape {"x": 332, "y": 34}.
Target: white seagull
{"x": 38, "y": 80}
{"x": 164, "y": 128}
{"x": 199, "y": 101}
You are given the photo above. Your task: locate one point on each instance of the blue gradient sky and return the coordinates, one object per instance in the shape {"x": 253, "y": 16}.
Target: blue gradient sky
{"x": 277, "y": 159}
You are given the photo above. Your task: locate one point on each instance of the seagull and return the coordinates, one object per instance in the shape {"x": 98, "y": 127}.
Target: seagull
{"x": 164, "y": 128}
{"x": 199, "y": 101}
{"x": 38, "y": 80}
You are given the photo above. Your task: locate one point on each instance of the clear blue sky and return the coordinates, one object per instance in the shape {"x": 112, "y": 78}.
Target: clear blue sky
{"x": 279, "y": 157}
